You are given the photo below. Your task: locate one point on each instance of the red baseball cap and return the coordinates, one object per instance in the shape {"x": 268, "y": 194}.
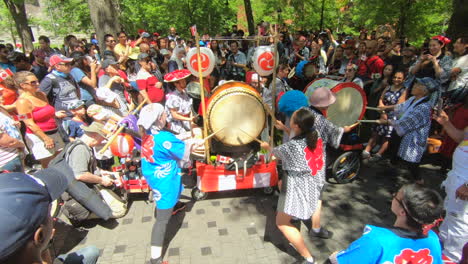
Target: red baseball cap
{"x": 56, "y": 59}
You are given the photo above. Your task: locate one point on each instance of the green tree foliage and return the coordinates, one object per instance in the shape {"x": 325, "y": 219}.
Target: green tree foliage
{"x": 66, "y": 17}
{"x": 420, "y": 18}
{"x": 7, "y": 22}
{"x": 210, "y": 16}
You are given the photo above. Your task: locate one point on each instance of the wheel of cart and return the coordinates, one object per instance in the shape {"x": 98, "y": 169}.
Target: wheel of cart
{"x": 198, "y": 195}
{"x": 346, "y": 167}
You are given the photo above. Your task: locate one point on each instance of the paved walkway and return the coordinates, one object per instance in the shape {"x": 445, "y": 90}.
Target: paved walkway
{"x": 239, "y": 226}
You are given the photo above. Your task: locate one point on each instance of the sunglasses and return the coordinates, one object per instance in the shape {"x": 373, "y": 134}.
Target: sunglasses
{"x": 111, "y": 40}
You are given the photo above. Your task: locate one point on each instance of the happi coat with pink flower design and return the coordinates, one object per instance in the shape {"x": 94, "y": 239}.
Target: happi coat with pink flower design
{"x": 305, "y": 174}
{"x": 161, "y": 155}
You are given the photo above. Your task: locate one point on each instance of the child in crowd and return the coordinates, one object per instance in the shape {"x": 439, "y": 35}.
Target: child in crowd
{"x": 79, "y": 114}
{"x": 302, "y": 159}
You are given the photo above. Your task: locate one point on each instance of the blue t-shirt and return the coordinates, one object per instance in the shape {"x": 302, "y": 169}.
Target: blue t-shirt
{"x": 86, "y": 91}
{"x": 160, "y": 153}
{"x": 8, "y": 65}
{"x": 74, "y": 129}
{"x": 382, "y": 245}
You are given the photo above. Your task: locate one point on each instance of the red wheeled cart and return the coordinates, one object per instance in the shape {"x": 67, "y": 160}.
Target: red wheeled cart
{"x": 215, "y": 178}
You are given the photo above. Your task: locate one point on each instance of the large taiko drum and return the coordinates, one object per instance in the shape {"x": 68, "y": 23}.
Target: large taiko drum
{"x": 236, "y": 113}
{"x": 350, "y": 104}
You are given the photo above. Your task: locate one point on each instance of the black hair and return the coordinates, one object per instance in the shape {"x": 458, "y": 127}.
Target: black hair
{"x": 395, "y": 71}
{"x": 45, "y": 39}
{"x": 217, "y": 51}
{"x": 305, "y": 120}
{"x": 233, "y": 41}
{"x": 68, "y": 38}
{"x": 282, "y": 66}
{"x": 464, "y": 40}
{"x": 422, "y": 205}
{"x": 106, "y": 36}
{"x": 78, "y": 61}
{"x": 122, "y": 32}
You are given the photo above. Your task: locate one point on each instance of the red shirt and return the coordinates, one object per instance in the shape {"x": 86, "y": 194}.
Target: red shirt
{"x": 460, "y": 121}
{"x": 147, "y": 82}
{"x": 370, "y": 66}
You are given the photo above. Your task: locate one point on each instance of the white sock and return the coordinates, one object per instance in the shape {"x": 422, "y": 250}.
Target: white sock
{"x": 311, "y": 259}
{"x": 316, "y": 230}
{"x": 155, "y": 252}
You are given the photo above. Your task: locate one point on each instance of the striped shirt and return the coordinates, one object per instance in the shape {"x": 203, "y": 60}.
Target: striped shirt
{"x": 7, "y": 126}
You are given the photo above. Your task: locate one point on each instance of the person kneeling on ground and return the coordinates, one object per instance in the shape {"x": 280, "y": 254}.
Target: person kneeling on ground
{"x": 27, "y": 225}
{"x": 80, "y": 157}
{"x": 416, "y": 208}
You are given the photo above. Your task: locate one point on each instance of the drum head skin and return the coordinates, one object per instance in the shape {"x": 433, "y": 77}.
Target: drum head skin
{"x": 236, "y": 110}
{"x": 350, "y": 104}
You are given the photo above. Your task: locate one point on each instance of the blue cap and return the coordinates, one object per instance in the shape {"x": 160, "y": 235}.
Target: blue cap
{"x": 292, "y": 101}
{"x": 431, "y": 84}
{"x": 24, "y": 204}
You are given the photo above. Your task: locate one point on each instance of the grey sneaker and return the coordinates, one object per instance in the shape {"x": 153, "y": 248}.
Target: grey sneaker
{"x": 303, "y": 261}
{"x": 158, "y": 261}
{"x": 376, "y": 158}
{"x": 323, "y": 233}
{"x": 365, "y": 154}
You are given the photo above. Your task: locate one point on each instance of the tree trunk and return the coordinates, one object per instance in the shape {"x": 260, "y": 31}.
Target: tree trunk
{"x": 105, "y": 18}
{"x": 403, "y": 18}
{"x": 249, "y": 15}
{"x": 457, "y": 25}
{"x": 18, "y": 12}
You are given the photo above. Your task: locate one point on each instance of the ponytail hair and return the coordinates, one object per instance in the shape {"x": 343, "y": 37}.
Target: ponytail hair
{"x": 305, "y": 120}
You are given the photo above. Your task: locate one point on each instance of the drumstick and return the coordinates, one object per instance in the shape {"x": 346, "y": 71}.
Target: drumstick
{"x": 117, "y": 132}
{"x": 354, "y": 125}
{"x": 214, "y": 133}
{"x": 256, "y": 139}
{"x": 374, "y": 108}
{"x": 368, "y": 121}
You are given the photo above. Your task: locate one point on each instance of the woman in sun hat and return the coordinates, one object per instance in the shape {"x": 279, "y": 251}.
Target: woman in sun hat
{"x": 178, "y": 102}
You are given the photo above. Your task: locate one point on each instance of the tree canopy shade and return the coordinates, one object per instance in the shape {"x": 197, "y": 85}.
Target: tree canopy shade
{"x": 415, "y": 19}
{"x": 210, "y": 16}
{"x": 18, "y": 12}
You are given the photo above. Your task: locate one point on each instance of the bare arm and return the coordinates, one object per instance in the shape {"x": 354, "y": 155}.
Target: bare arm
{"x": 7, "y": 141}
{"x": 177, "y": 116}
{"x": 88, "y": 177}
{"x": 452, "y": 131}
{"x": 93, "y": 80}
{"x": 25, "y": 106}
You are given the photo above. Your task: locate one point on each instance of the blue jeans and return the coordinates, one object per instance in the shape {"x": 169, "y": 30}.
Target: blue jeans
{"x": 87, "y": 255}
{"x": 14, "y": 165}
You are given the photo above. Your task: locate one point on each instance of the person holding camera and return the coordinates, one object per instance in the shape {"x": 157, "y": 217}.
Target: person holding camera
{"x": 434, "y": 63}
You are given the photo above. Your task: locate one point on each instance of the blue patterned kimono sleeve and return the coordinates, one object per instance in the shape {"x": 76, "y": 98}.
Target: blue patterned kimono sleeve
{"x": 365, "y": 250}
{"x": 417, "y": 118}
{"x": 177, "y": 148}
{"x": 446, "y": 65}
